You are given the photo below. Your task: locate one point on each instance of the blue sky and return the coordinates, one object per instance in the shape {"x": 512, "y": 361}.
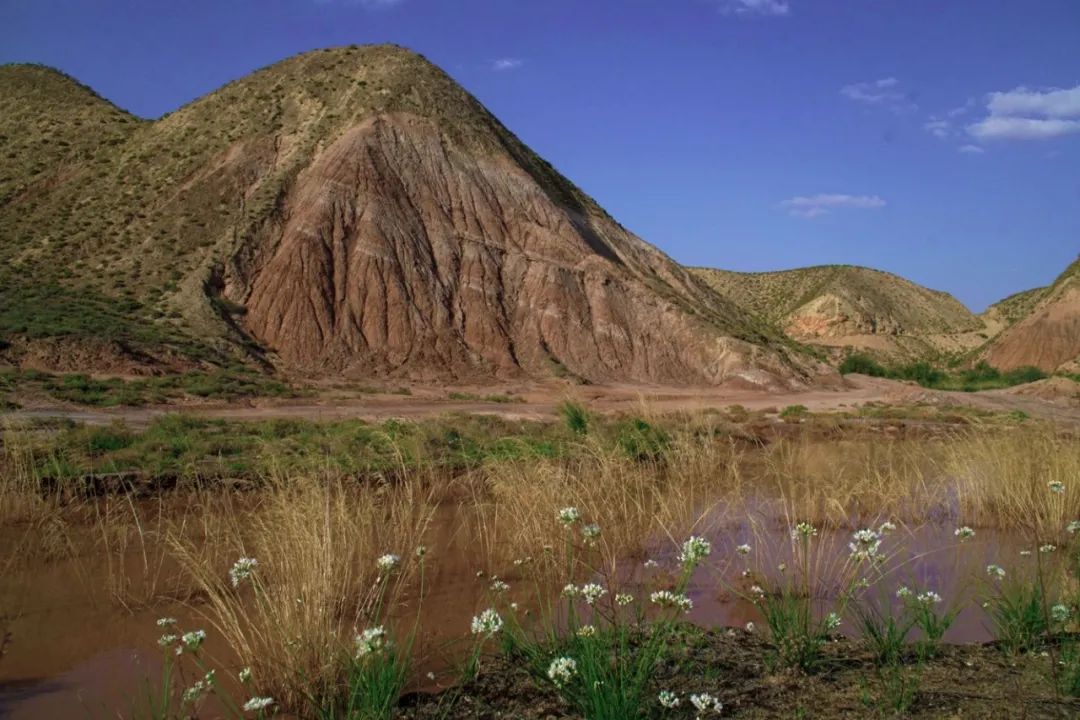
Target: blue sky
{"x": 938, "y": 140}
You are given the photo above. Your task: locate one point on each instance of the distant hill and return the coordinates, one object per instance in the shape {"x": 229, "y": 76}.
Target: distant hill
{"x": 850, "y": 306}
{"x": 352, "y": 211}
{"x": 1045, "y": 327}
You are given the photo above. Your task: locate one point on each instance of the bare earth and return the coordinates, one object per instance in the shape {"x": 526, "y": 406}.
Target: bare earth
{"x": 541, "y": 401}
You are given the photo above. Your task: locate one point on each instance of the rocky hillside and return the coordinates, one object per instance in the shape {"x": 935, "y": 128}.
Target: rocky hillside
{"x": 844, "y": 305}
{"x": 1045, "y": 331}
{"x": 345, "y": 211}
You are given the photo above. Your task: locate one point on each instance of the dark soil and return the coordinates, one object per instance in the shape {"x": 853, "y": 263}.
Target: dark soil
{"x": 961, "y": 681}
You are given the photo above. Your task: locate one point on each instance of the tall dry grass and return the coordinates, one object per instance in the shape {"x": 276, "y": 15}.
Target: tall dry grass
{"x": 1002, "y": 480}
{"x": 316, "y": 542}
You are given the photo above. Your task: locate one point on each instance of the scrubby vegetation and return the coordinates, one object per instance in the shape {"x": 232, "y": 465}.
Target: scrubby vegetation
{"x": 980, "y": 377}
{"x": 85, "y": 390}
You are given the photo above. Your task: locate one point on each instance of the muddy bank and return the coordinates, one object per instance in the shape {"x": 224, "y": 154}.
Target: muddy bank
{"x": 962, "y": 681}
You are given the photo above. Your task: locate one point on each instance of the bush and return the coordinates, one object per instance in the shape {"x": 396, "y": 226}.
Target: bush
{"x": 863, "y": 364}
{"x": 794, "y": 412}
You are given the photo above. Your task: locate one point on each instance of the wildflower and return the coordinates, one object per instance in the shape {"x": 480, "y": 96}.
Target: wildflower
{"x": 650, "y": 563}
{"x": 804, "y": 529}
{"x": 782, "y": 567}
{"x": 995, "y": 571}
{"x": 167, "y": 640}
{"x": 513, "y": 606}
{"x": 865, "y": 545}
{"x": 1072, "y": 527}
{"x": 832, "y": 621}
{"x": 1060, "y": 613}
{"x": 964, "y": 533}
{"x": 746, "y": 573}
{"x": 743, "y": 549}
{"x": 928, "y": 597}
{"x": 1025, "y": 553}
{"x": 166, "y": 622}
{"x": 388, "y": 562}
{"x": 586, "y": 631}
{"x": 257, "y": 704}
{"x": 750, "y": 627}
{"x": 903, "y": 592}
{"x": 245, "y": 675}
{"x": 1048, "y": 548}
{"x": 195, "y": 692}
{"x": 624, "y": 599}
{"x": 666, "y": 598}
{"x": 705, "y": 702}
{"x": 498, "y": 586}
{"x": 886, "y": 528}
{"x": 569, "y": 515}
{"x": 562, "y": 670}
{"x": 192, "y": 640}
{"x": 421, "y": 551}
{"x": 487, "y": 623}
{"x": 694, "y": 550}
{"x": 570, "y": 590}
{"x": 757, "y": 590}
{"x": 590, "y": 532}
{"x": 242, "y": 569}
{"x": 668, "y": 699}
{"x": 371, "y": 641}
{"x": 592, "y": 592}
{"x": 1056, "y": 486}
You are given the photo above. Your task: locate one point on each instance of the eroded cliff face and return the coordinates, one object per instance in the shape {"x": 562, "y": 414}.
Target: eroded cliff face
{"x": 401, "y": 253}
{"x": 1048, "y": 337}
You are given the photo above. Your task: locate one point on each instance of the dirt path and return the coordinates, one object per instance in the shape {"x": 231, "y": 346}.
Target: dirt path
{"x": 540, "y": 402}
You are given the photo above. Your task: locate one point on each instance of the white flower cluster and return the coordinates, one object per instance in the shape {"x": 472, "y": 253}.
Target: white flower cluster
{"x": 166, "y": 622}
{"x": 242, "y": 569}
{"x": 694, "y": 550}
{"x": 487, "y": 623}
{"x": 371, "y": 641}
{"x": 562, "y": 671}
{"x": 624, "y": 599}
{"x": 258, "y": 704}
{"x": 244, "y": 675}
{"x": 1056, "y": 486}
{"x": 195, "y": 693}
{"x": 743, "y": 549}
{"x": 995, "y": 571}
{"x": 569, "y": 515}
{"x": 1073, "y": 527}
{"x": 668, "y": 699}
{"x": 191, "y": 641}
{"x": 586, "y": 631}
{"x": 388, "y": 562}
{"x": 865, "y": 545}
{"x": 666, "y": 599}
{"x": 592, "y": 592}
{"x": 1060, "y": 613}
{"x": 964, "y": 533}
{"x": 704, "y": 702}
{"x": 1048, "y": 548}
{"x": 804, "y": 530}
{"x": 591, "y": 533}
{"x": 498, "y": 586}
{"x": 928, "y": 597}
{"x": 832, "y": 621}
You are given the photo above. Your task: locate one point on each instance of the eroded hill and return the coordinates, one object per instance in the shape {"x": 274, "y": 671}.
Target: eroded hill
{"x": 850, "y": 306}
{"x": 1045, "y": 331}
{"x": 345, "y": 211}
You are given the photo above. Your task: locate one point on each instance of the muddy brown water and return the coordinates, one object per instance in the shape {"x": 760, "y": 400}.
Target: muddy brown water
{"x": 74, "y": 652}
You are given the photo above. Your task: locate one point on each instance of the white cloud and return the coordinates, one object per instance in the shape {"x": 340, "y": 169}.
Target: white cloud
{"x": 811, "y": 206}
{"x": 1052, "y": 103}
{"x": 938, "y": 128}
{"x": 768, "y": 8}
{"x": 1024, "y": 114}
{"x": 1021, "y": 128}
{"x": 882, "y": 92}
{"x": 970, "y": 149}
{"x": 508, "y": 63}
